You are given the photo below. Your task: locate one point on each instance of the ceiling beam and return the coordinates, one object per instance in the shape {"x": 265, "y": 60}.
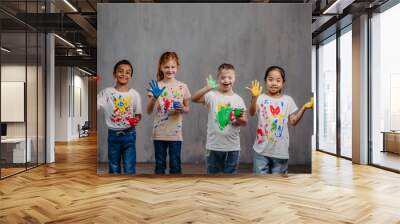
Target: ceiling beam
{"x": 82, "y": 61}
{"x": 85, "y": 25}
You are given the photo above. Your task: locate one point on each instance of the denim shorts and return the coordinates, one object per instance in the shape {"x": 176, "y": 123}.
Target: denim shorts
{"x": 269, "y": 165}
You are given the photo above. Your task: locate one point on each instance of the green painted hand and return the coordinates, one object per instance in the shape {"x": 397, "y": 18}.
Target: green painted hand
{"x": 223, "y": 116}
{"x": 212, "y": 83}
{"x": 238, "y": 112}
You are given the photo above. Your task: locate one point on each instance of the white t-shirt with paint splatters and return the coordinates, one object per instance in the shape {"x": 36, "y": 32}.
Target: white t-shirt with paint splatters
{"x": 167, "y": 126}
{"x": 119, "y": 107}
{"x": 221, "y": 134}
{"x": 272, "y": 135}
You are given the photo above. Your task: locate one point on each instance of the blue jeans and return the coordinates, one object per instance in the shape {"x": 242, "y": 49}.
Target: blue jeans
{"x": 222, "y": 162}
{"x": 267, "y": 165}
{"x": 122, "y": 144}
{"x": 173, "y": 148}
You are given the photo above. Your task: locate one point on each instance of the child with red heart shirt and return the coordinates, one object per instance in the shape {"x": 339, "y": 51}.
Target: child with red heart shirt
{"x": 274, "y": 111}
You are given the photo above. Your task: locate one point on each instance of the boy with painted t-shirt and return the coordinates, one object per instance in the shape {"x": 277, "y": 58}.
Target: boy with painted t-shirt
{"x": 226, "y": 113}
{"x": 122, "y": 111}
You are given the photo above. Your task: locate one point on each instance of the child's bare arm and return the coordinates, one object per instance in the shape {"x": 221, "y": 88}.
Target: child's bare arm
{"x": 198, "y": 97}
{"x": 295, "y": 117}
{"x": 151, "y": 102}
{"x": 185, "y": 106}
{"x": 253, "y": 105}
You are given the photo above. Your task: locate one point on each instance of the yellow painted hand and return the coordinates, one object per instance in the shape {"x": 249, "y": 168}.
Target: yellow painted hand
{"x": 255, "y": 88}
{"x": 309, "y": 104}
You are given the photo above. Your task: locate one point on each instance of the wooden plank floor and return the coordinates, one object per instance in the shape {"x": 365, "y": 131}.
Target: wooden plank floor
{"x": 70, "y": 191}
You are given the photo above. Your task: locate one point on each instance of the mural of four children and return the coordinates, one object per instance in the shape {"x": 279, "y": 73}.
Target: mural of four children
{"x": 169, "y": 99}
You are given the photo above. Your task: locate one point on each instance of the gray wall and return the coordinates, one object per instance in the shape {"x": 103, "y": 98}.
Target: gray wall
{"x": 250, "y": 36}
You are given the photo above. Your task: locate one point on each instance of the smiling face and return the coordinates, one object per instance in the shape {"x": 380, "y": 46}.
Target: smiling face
{"x": 274, "y": 82}
{"x": 169, "y": 69}
{"x": 123, "y": 74}
{"x": 226, "y": 79}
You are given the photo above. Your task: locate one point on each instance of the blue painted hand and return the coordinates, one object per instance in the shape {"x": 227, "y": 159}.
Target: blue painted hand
{"x": 155, "y": 89}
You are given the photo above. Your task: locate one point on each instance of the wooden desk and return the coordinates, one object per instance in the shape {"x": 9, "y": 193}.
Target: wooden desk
{"x": 391, "y": 141}
{"x": 16, "y": 147}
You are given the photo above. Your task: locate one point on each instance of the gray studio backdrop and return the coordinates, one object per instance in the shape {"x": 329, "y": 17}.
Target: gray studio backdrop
{"x": 251, "y": 36}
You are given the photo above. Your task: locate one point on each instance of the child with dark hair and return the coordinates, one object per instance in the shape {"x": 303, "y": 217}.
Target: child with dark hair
{"x": 274, "y": 111}
{"x": 123, "y": 110}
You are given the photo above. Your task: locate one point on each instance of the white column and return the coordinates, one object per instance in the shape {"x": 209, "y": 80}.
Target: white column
{"x": 50, "y": 93}
{"x": 360, "y": 90}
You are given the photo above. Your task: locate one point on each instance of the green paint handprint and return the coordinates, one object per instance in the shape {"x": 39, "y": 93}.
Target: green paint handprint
{"x": 223, "y": 116}
{"x": 212, "y": 82}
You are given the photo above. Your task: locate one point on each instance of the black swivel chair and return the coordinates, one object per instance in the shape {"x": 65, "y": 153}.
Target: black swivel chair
{"x": 84, "y": 130}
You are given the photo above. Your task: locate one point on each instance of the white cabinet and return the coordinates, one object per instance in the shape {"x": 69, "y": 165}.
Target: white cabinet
{"x": 18, "y": 149}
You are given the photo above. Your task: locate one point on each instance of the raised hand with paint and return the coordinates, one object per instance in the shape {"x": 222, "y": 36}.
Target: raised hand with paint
{"x": 211, "y": 83}
{"x": 155, "y": 89}
{"x": 122, "y": 111}
{"x": 133, "y": 121}
{"x": 226, "y": 113}
{"x": 309, "y": 104}
{"x": 169, "y": 98}
{"x": 275, "y": 111}
{"x": 255, "y": 88}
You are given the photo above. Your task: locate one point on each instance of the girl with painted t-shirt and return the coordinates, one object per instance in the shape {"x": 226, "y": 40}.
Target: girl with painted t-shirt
{"x": 274, "y": 111}
{"x": 170, "y": 98}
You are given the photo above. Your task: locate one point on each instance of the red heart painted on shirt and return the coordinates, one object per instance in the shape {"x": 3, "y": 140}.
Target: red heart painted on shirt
{"x": 275, "y": 111}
